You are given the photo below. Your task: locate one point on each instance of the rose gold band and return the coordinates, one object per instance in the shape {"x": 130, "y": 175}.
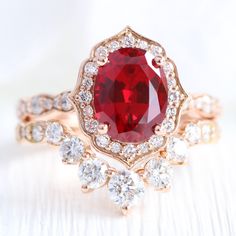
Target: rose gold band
{"x": 41, "y": 109}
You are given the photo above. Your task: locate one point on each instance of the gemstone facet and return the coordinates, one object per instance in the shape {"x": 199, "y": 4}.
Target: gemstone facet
{"x": 54, "y": 133}
{"x": 72, "y": 148}
{"x": 126, "y": 188}
{"x": 158, "y": 173}
{"x": 93, "y": 173}
{"x": 177, "y": 150}
{"x": 130, "y": 94}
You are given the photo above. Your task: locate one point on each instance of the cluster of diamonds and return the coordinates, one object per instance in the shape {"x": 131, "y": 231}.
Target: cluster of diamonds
{"x": 84, "y": 99}
{"x": 125, "y": 187}
{"x": 44, "y": 103}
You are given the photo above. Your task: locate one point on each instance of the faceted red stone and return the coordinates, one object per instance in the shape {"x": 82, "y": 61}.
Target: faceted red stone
{"x": 130, "y": 95}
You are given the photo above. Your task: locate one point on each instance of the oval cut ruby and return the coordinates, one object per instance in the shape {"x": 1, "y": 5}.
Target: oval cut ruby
{"x": 130, "y": 95}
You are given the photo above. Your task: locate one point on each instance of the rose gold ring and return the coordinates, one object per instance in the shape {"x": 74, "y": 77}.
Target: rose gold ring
{"x": 129, "y": 106}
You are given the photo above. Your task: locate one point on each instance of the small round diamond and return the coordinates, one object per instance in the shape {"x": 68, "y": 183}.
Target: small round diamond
{"x": 35, "y": 106}
{"x": 115, "y": 147}
{"x": 171, "y": 82}
{"x": 113, "y": 46}
{"x": 177, "y": 150}
{"x": 156, "y": 141}
{"x": 126, "y": 188}
{"x": 174, "y": 97}
{"x": 71, "y": 149}
{"x": 168, "y": 67}
{"x": 88, "y": 111}
{"x": 129, "y": 150}
{"x": 128, "y": 41}
{"x": 37, "y": 133}
{"x": 192, "y": 133}
{"x": 207, "y": 131}
{"x": 156, "y": 51}
{"x": 143, "y": 148}
{"x": 54, "y": 133}
{"x": 66, "y": 103}
{"x": 57, "y": 102}
{"x": 87, "y": 83}
{"x": 143, "y": 45}
{"x": 28, "y": 132}
{"x": 21, "y": 108}
{"x": 91, "y": 125}
{"x": 171, "y": 111}
{"x": 168, "y": 125}
{"x": 206, "y": 104}
{"x": 47, "y": 103}
{"x": 101, "y": 54}
{"x": 158, "y": 173}
{"x": 85, "y": 96}
{"x": 91, "y": 69}
{"x": 93, "y": 173}
{"x": 102, "y": 140}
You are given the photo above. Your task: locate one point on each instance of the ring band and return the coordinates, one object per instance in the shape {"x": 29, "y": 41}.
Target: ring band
{"x": 132, "y": 109}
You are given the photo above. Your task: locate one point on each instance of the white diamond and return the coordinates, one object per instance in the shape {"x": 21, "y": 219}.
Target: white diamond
{"x": 21, "y": 108}
{"x": 168, "y": 125}
{"x": 88, "y": 111}
{"x": 102, "y": 140}
{"x": 54, "y": 133}
{"x": 93, "y": 173}
{"x": 143, "y": 45}
{"x": 101, "y": 54}
{"x": 91, "y": 69}
{"x": 57, "y": 102}
{"x": 207, "y": 131}
{"x": 35, "y": 106}
{"x": 168, "y": 67}
{"x": 85, "y": 96}
{"x": 143, "y": 148}
{"x": 128, "y": 41}
{"x": 129, "y": 151}
{"x": 174, "y": 97}
{"x": 192, "y": 133}
{"x": 177, "y": 150}
{"x": 126, "y": 188}
{"x": 206, "y": 104}
{"x": 171, "y": 111}
{"x": 156, "y": 141}
{"x": 115, "y": 147}
{"x": 156, "y": 51}
{"x": 91, "y": 125}
{"x": 47, "y": 103}
{"x": 72, "y": 149}
{"x": 37, "y": 133}
{"x": 66, "y": 103}
{"x": 113, "y": 46}
{"x": 171, "y": 82}
{"x": 158, "y": 173}
{"x": 27, "y": 133}
{"x": 87, "y": 83}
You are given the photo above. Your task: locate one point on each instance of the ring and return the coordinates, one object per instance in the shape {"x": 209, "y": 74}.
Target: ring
{"x": 127, "y": 122}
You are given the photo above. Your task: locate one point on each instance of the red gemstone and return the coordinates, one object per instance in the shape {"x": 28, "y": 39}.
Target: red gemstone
{"x": 130, "y": 95}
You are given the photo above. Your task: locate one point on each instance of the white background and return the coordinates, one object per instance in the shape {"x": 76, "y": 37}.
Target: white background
{"x": 41, "y": 46}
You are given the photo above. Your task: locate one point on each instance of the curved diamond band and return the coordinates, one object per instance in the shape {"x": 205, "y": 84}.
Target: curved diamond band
{"x": 132, "y": 109}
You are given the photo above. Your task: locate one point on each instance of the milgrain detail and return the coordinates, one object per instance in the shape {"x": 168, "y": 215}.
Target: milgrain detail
{"x": 43, "y": 104}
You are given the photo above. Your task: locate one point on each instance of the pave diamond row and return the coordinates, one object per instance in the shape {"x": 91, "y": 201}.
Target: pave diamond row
{"x": 40, "y": 104}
